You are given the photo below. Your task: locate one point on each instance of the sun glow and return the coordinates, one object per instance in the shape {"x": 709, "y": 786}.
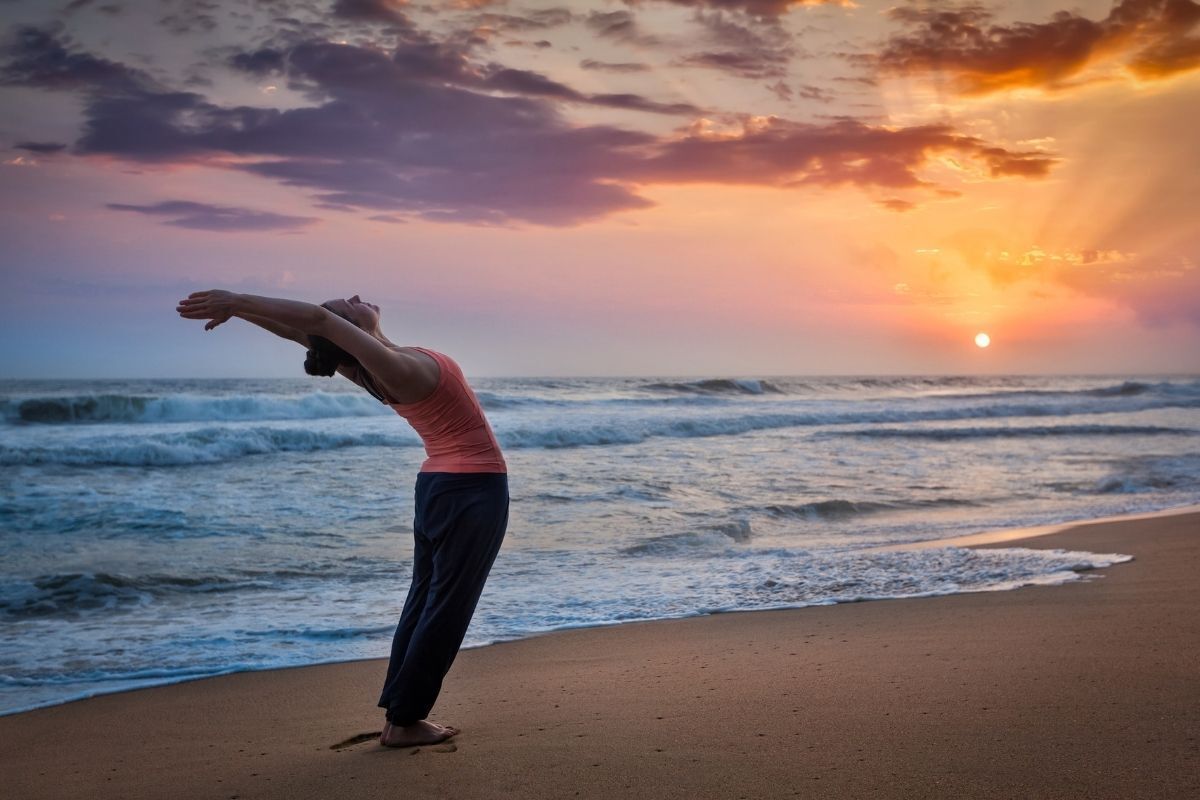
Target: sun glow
{"x": 982, "y": 340}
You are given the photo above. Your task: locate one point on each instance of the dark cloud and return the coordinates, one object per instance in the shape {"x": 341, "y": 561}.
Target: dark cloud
{"x": 193, "y": 16}
{"x": 806, "y": 92}
{"x": 810, "y": 92}
{"x": 612, "y": 66}
{"x": 225, "y": 219}
{"x": 41, "y": 58}
{"x": 635, "y": 102}
{"x": 390, "y": 12}
{"x": 777, "y": 152}
{"x": 389, "y": 137}
{"x": 530, "y": 21}
{"x": 263, "y": 61}
{"x": 535, "y": 84}
{"x": 758, "y": 8}
{"x": 1153, "y": 38}
{"x": 423, "y": 131}
{"x": 741, "y": 33}
{"x": 42, "y": 148}
{"x": 745, "y": 49}
{"x": 744, "y": 65}
{"x": 620, "y": 26}
{"x": 781, "y": 90}
{"x": 323, "y": 65}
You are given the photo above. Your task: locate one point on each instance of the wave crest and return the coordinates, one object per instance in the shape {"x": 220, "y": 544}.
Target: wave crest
{"x": 72, "y": 593}
{"x": 125, "y": 408}
{"x": 204, "y": 446}
{"x": 716, "y": 386}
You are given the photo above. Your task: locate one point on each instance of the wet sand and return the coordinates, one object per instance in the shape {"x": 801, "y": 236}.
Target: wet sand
{"x": 1087, "y": 690}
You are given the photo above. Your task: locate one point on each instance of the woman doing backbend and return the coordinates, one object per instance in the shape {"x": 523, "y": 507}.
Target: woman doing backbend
{"x": 461, "y": 493}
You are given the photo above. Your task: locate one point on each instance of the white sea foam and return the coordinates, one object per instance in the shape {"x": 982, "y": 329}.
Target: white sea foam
{"x": 98, "y": 408}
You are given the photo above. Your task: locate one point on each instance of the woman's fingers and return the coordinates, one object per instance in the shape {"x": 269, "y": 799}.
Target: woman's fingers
{"x": 199, "y": 313}
{"x": 196, "y": 297}
{"x": 204, "y": 305}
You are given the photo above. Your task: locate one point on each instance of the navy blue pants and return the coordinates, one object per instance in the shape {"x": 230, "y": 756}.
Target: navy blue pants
{"x": 459, "y": 525}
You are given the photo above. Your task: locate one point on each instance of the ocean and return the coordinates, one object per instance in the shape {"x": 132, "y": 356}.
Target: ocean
{"x": 153, "y": 531}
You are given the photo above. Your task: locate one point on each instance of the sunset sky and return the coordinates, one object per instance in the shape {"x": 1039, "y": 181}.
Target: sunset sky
{"x": 668, "y": 187}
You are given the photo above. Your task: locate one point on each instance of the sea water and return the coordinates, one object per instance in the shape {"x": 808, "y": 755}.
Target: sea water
{"x": 154, "y": 531}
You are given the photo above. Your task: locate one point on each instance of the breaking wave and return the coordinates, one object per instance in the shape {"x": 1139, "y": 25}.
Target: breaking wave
{"x": 100, "y": 408}
{"x": 716, "y": 386}
{"x": 841, "y": 509}
{"x": 205, "y": 446}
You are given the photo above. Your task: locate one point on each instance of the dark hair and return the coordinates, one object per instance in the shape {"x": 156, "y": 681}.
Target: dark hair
{"x": 324, "y": 357}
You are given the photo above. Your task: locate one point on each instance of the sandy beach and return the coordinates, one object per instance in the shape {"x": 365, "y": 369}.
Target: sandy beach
{"x": 1090, "y": 689}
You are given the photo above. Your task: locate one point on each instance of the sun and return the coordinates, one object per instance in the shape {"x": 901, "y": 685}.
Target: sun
{"x": 982, "y": 340}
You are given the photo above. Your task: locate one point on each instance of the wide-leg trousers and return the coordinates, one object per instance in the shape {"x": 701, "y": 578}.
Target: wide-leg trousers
{"x": 459, "y": 525}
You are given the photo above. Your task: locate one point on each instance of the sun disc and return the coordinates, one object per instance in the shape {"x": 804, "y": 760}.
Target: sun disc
{"x": 982, "y": 339}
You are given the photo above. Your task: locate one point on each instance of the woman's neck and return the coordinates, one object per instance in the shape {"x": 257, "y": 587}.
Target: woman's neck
{"x": 378, "y": 334}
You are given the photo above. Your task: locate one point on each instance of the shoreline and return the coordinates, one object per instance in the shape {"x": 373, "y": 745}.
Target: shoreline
{"x": 994, "y": 537}
{"x": 1085, "y": 690}
{"x": 1004, "y": 535}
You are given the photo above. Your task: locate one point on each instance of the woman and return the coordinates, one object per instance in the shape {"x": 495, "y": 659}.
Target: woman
{"x": 461, "y": 494}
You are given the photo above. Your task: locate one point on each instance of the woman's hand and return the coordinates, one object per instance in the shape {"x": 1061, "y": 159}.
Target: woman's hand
{"x": 215, "y": 305}
{"x": 212, "y": 323}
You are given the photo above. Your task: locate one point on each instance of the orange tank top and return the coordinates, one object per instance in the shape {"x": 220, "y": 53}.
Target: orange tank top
{"x": 451, "y": 423}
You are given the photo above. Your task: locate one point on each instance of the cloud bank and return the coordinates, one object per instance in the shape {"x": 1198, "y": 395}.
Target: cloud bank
{"x": 1152, "y": 39}
{"x": 423, "y": 129}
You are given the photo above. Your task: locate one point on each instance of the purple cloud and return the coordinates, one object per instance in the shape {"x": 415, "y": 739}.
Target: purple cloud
{"x": 224, "y": 219}
{"x": 777, "y": 152}
{"x": 42, "y": 148}
{"x": 746, "y": 48}
{"x": 620, "y": 26}
{"x": 611, "y": 66}
{"x": 756, "y": 8}
{"x": 386, "y": 11}
{"x": 519, "y": 81}
{"x": 538, "y": 20}
{"x": 38, "y": 58}
{"x": 423, "y": 131}
{"x": 742, "y": 64}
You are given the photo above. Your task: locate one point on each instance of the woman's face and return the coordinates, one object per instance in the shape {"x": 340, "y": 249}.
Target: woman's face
{"x": 364, "y": 315}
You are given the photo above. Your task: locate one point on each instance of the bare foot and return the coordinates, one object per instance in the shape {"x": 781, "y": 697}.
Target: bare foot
{"x": 419, "y": 733}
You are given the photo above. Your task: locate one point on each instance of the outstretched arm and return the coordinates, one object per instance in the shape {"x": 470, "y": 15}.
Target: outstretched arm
{"x": 395, "y": 370}
{"x": 283, "y": 331}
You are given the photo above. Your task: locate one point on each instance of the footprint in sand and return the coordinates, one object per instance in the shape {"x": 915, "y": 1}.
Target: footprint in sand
{"x": 357, "y": 739}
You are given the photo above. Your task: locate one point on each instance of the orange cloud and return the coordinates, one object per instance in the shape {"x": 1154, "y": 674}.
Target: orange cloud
{"x": 896, "y": 204}
{"x": 1153, "y": 39}
{"x": 777, "y": 152}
